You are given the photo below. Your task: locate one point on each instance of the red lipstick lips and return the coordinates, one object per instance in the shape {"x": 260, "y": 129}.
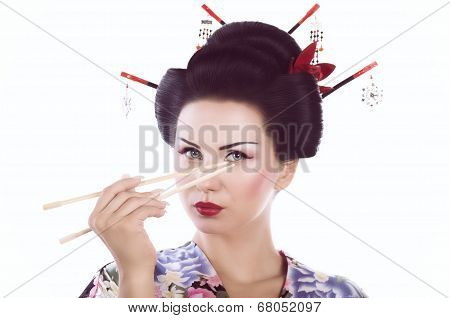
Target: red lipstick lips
{"x": 208, "y": 208}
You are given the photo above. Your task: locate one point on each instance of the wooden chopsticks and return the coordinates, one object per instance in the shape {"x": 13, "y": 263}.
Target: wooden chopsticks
{"x": 162, "y": 196}
{"x": 57, "y": 204}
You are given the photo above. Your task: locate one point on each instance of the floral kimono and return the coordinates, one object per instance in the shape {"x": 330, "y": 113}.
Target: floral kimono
{"x": 186, "y": 272}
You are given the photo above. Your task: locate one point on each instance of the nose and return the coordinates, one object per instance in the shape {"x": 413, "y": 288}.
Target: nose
{"x": 211, "y": 184}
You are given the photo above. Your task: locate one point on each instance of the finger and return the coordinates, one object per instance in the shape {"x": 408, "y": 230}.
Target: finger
{"x": 144, "y": 212}
{"x": 111, "y": 191}
{"x": 134, "y": 203}
{"x": 123, "y": 196}
{"x": 127, "y": 175}
{"x": 118, "y": 200}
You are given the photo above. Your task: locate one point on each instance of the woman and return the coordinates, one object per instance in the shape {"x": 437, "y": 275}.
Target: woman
{"x": 236, "y": 101}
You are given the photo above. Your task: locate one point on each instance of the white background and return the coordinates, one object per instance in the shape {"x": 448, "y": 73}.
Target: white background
{"x": 381, "y": 174}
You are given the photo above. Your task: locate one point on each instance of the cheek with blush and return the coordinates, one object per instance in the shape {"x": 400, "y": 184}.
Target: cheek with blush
{"x": 249, "y": 196}
{"x": 250, "y": 185}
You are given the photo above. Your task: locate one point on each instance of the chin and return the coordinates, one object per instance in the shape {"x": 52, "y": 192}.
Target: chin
{"x": 208, "y": 225}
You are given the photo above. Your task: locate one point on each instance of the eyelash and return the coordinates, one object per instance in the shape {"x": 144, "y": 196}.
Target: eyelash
{"x": 184, "y": 150}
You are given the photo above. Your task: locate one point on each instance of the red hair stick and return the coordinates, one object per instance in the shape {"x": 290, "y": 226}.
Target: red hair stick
{"x": 137, "y": 79}
{"x": 211, "y": 13}
{"x": 349, "y": 79}
{"x": 307, "y": 15}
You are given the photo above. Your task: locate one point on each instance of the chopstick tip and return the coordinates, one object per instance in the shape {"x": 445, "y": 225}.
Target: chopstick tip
{"x": 51, "y": 205}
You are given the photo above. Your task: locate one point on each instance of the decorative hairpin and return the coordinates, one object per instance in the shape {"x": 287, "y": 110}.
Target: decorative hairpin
{"x": 139, "y": 80}
{"x": 307, "y": 15}
{"x": 301, "y": 63}
{"x": 126, "y": 100}
{"x": 211, "y": 13}
{"x": 204, "y": 32}
{"x": 328, "y": 90}
{"x": 316, "y": 35}
{"x": 206, "y": 26}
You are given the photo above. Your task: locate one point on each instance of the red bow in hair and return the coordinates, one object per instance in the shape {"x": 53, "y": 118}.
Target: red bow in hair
{"x": 303, "y": 64}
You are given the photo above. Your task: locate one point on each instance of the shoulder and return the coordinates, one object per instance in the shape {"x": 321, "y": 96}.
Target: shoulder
{"x": 303, "y": 281}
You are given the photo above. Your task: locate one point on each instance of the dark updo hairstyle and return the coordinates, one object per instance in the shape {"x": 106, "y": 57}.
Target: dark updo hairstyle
{"x": 249, "y": 62}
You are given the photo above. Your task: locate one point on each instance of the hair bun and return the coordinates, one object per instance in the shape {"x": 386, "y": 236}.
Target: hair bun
{"x": 251, "y": 52}
{"x": 258, "y": 36}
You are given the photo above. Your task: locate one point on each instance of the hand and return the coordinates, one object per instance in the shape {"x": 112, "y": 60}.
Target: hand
{"x": 118, "y": 219}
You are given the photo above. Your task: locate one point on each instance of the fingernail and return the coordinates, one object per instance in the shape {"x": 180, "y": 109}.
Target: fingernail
{"x": 166, "y": 203}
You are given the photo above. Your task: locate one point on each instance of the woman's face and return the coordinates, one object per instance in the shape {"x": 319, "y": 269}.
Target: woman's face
{"x": 244, "y": 191}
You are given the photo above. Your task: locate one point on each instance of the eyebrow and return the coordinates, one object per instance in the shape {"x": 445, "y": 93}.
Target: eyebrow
{"x": 222, "y": 147}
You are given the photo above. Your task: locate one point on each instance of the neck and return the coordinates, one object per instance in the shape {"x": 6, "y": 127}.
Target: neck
{"x": 245, "y": 255}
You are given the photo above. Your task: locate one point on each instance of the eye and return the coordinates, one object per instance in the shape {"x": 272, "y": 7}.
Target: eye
{"x": 240, "y": 155}
{"x": 189, "y": 149}
{"x": 196, "y": 154}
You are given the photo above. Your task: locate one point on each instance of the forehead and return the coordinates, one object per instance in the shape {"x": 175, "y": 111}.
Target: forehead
{"x": 213, "y": 120}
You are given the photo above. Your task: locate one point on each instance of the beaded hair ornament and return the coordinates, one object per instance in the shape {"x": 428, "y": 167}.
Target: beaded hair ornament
{"x": 299, "y": 63}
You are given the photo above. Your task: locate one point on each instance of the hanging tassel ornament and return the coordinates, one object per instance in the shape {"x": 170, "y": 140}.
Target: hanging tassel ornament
{"x": 372, "y": 94}
{"x": 206, "y": 25}
{"x": 204, "y": 32}
{"x": 126, "y": 102}
{"x": 316, "y": 35}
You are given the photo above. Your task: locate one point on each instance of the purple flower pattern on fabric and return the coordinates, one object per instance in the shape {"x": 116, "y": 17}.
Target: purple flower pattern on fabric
{"x": 186, "y": 272}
